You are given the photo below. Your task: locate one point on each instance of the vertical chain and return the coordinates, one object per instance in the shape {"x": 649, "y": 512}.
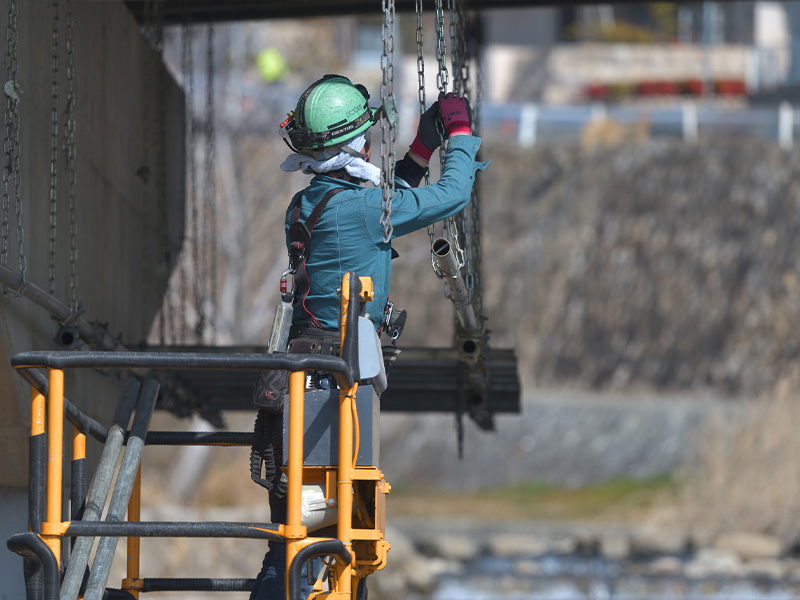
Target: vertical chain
{"x": 209, "y": 187}
{"x": 11, "y": 147}
{"x": 388, "y": 124}
{"x": 442, "y": 81}
{"x": 69, "y": 159}
{"x": 461, "y": 87}
{"x": 149, "y": 263}
{"x": 442, "y": 77}
{"x": 53, "y": 150}
{"x": 192, "y": 241}
{"x": 455, "y": 50}
{"x": 166, "y": 320}
{"x": 11, "y": 100}
{"x": 451, "y": 231}
{"x": 474, "y": 50}
{"x": 421, "y": 96}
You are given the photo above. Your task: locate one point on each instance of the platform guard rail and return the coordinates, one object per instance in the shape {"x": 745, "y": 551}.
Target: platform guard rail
{"x": 53, "y": 571}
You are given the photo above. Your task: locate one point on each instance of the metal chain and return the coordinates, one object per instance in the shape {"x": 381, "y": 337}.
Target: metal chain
{"x": 475, "y": 203}
{"x": 69, "y": 160}
{"x": 192, "y": 243}
{"x": 209, "y": 187}
{"x": 166, "y": 318}
{"x": 145, "y": 172}
{"x": 461, "y": 87}
{"x": 442, "y": 77}
{"x": 389, "y": 123}
{"x": 53, "y": 150}
{"x": 455, "y": 46}
{"x": 422, "y": 99}
{"x": 11, "y": 100}
{"x": 11, "y": 148}
{"x": 151, "y": 34}
{"x": 451, "y": 232}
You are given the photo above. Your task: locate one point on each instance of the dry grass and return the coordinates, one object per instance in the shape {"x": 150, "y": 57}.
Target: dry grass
{"x": 747, "y": 474}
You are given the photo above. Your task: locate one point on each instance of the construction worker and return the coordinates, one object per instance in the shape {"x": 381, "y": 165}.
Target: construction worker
{"x": 329, "y": 135}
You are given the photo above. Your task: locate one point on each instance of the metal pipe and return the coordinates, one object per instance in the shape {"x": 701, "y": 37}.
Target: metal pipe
{"x": 344, "y": 487}
{"x": 78, "y": 478}
{"x": 37, "y": 447}
{"x": 55, "y": 447}
{"x": 183, "y": 360}
{"x": 196, "y": 584}
{"x": 333, "y": 548}
{"x": 85, "y": 424}
{"x": 78, "y": 485}
{"x": 183, "y": 529}
{"x": 129, "y": 466}
{"x": 41, "y": 566}
{"x": 449, "y": 269}
{"x": 134, "y": 515}
{"x": 294, "y": 529}
{"x": 59, "y": 310}
{"x": 199, "y": 438}
{"x": 101, "y": 484}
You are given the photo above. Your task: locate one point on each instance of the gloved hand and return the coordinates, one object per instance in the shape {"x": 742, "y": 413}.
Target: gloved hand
{"x": 456, "y": 114}
{"x": 427, "y": 139}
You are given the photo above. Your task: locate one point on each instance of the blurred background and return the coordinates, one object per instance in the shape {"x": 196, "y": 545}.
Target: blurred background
{"x": 638, "y": 235}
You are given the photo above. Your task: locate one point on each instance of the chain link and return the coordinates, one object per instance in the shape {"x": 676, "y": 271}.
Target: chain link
{"x": 209, "y": 187}
{"x": 69, "y": 160}
{"x": 477, "y": 253}
{"x": 53, "y": 151}
{"x": 11, "y": 92}
{"x": 191, "y": 247}
{"x": 154, "y": 24}
{"x": 455, "y": 49}
{"x": 461, "y": 87}
{"x": 421, "y": 97}
{"x": 442, "y": 77}
{"x": 388, "y": 124}
{"x": 11, "y": 149}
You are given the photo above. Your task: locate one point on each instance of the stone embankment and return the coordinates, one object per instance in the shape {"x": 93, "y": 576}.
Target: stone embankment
{"x": 436, "y": 559}
{"x": 667, "y": 266}
{"x": 425, "y": 554}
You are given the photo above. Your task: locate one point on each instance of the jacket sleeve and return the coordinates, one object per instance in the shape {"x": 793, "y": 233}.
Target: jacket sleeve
{"x": 416, "y": 208}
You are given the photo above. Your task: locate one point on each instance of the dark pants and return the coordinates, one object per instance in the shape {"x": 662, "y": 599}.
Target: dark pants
{"x": 271, "y": 580}
{"x": 270, "y": 583}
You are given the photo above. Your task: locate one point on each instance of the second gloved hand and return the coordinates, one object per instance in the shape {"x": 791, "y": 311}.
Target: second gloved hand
{"x": 427, "y": 139}
{"x": 456, "y": 114}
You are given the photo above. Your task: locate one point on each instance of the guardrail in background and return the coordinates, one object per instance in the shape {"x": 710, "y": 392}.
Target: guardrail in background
{"x": 529, "y": 124}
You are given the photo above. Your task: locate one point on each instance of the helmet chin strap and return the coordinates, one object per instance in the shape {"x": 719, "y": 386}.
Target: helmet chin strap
{"x": 351, "y": 152}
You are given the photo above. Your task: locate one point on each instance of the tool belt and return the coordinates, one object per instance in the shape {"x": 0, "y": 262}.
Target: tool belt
{"x": 312, "y": 340}
{"x": 273, "y": 384}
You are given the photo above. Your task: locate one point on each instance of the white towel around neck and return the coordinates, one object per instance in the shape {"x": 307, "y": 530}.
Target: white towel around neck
{"x": 354, "y": 166}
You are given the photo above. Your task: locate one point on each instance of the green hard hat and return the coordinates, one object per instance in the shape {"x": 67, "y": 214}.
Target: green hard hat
{"x": 329, "y": 113}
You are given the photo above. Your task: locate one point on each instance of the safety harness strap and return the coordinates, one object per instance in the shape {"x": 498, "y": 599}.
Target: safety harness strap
{"x": 300, "y": 248}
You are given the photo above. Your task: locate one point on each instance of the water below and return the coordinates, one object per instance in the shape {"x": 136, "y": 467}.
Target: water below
{"x": 578, "y": 578}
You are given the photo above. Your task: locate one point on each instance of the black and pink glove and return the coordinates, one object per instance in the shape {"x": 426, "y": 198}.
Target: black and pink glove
{"x": 456, "y": 114}
{"x": 427, "y": 139}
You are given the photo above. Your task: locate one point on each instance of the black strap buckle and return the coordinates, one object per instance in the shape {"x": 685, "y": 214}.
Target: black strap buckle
{"x": 394, "y": 320}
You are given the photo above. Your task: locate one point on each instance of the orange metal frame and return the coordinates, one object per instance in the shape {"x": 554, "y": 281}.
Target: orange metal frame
{"x": 365, "y": 542}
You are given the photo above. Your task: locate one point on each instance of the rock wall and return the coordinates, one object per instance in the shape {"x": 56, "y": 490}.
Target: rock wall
{"x": 665, "y": 266}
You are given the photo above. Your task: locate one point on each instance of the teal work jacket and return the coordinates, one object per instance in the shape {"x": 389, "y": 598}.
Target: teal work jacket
{"x": 348, "y": 235}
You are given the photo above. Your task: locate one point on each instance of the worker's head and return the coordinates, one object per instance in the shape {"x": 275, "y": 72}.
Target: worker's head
{"x": 331, "y": 112}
